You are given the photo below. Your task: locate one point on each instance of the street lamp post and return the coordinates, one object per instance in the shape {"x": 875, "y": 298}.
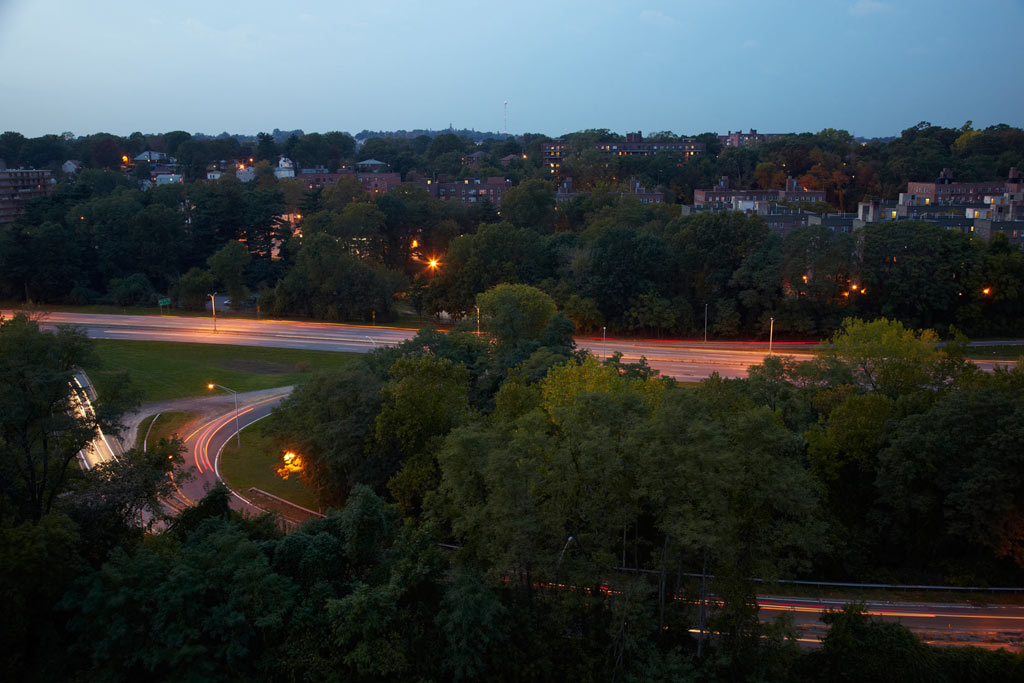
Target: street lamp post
{"x": 771, "y": 333}
{"x": 213, "y": 302}
{"x": 705, "y": 323}
{"x": 238, "y": 432}
{"x": 604, "y": 342}
{"x": 478, "y": 321}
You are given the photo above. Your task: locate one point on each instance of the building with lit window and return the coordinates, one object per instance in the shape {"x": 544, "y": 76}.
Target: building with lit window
{"x": 467, "y": 190}
{"x": 554, "y": 152}
{"x": 739, "y": 139}
{"x": 18, "y": 186}
{"x": 723, "y": 194}
{"x": 943, "y": 190}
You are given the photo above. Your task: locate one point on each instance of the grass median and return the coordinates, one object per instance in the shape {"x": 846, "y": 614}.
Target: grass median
{"x": 169, "y": 370}
{"x": 255, "y": 465}
{"x": 162, "y": 426}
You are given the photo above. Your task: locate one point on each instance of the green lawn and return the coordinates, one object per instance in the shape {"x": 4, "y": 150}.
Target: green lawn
{"x": 165, "y": 426}
{"x": 168, "y": 370}
{"x": 995, "y": 352}
{"x": 255, "y": 465}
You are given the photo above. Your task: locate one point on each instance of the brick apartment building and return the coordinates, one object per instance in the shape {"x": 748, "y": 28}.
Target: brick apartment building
{"x": 554, "y": 151}
{"x": 18, "y": 186}
{"x": 722, "y": 194}
{"x": 373, "y": 183}
{"x": 945, "y": 191}
{"x": 566, "y": 192}
{"x": 467, "y": 190}
{"x": 739, "y": 139}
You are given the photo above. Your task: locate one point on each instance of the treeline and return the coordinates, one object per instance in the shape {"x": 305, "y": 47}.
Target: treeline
{"x": 513, "y": 510}
{"x": 639, "y": 270}
{"x": 831, "y": 160}
{"x": 608, "y": 261}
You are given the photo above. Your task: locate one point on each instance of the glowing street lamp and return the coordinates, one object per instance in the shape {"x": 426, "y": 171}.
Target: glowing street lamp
{"x": 213, "y": 302}
{"x": 238, "y": 432}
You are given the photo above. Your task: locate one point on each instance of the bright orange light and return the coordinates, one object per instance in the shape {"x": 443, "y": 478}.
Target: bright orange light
{"x": 433, "y": 264}
{"x": 209, "y": 386}
{"x": 124, "y": 159}
{"x": 986, "y": 291}
{"x": 805, "y": 278}
{"x": 292, "y": 464}
{"x": 853, "y": 288}
{"x": 415, "y": 244}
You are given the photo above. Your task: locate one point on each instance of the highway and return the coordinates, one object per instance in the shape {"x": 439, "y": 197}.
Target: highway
{"x": 687, "y": 361}
{"x": 935, "y": 623}
{"x": 205, "y": 441}
{"x": 948, "y": 624}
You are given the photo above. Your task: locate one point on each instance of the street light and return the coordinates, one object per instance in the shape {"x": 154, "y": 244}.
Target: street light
{"x": 771, "y": 333}
{"x": 604, "y": 342}
{"x": 478, "y": 321}
{"x": 238, "y": 432}
{"x": 213, "y": 302}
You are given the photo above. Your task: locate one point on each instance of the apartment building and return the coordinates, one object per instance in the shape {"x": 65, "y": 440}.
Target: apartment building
{"x": 18, "y": 186}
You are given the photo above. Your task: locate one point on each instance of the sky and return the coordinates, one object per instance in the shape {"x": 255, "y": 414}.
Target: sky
{"x": 872, "y": 67}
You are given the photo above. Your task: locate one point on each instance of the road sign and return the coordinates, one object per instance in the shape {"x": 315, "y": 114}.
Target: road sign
{"x": 163, "y": 302}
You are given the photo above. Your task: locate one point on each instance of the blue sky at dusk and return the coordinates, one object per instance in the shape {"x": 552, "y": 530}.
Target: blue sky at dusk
{"x": 873, "y": 67}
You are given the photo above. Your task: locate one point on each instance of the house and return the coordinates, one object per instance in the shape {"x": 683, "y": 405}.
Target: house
{"x": 71, "y": 166}
{"x": 168, "y": 179}
{"x": 506, "y": 161}
{"x": 473, "y": 160}
{"x": 151, "y": 157}
{"x": 371, "y": 165}
{"x": 285, "y": 168}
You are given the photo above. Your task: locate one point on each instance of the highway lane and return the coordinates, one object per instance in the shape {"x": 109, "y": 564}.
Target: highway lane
{"x": 935, "y": 623}
{"x": 682, "y": 360}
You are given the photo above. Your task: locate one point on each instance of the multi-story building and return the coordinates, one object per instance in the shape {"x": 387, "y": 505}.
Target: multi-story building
{"x": 18, "y": 186}
{"x": 739, "y": 139}
{"x": 723, "y": 194}
{"x": 943, "y": 190}
{"x": 555, "y": 151}
{"x": 779, "y": 219}
{"x": 373, "y": 183}
{"x": 566, "y": 192}
{"x": 467, "y": 190}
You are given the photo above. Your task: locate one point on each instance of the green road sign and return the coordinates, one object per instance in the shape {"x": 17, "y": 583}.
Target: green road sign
{"x": 164, "y": 302}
